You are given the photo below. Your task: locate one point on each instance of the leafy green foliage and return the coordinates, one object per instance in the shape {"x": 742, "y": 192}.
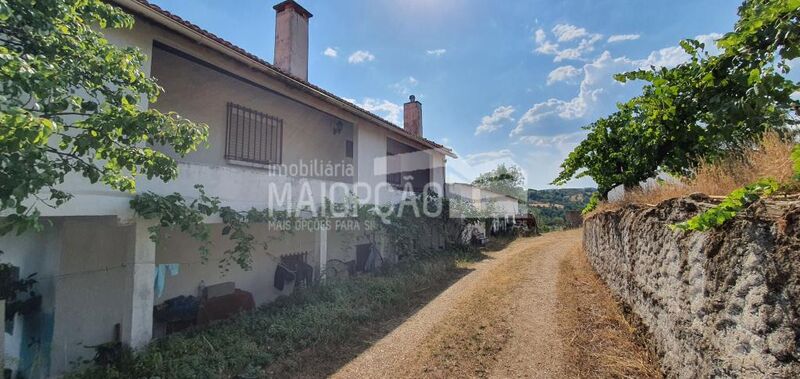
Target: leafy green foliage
{"x": 570, "y": 198}
{"x": 551, "y": 205}
{"x": 174, "y": 213}
{"x": 327, "y": 315}
{"x": 700, "y": 109}
{"x": 408, "y": 225}
{"x": 796, "y": 160}
{"x": 592, "y": 204}
{"x": 404, "y": 224}
{"x": 734, "y": 203}
{"x": 71, "y": 102}
{"x": 503, "y": 180}
{"x": 765, "y": 26}
{"x": 238, "y": 229}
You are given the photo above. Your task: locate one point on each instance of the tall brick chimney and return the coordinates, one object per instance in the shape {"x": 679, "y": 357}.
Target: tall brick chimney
{"x": 412, "y": 116}
{"x": 291, "y": 38}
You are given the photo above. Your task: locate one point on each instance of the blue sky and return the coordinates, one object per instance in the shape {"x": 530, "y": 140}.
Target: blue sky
{"x": 500, "y": 81}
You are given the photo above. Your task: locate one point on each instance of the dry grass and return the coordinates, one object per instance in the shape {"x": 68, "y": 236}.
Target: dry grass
{"x": 601, "y": 342}
{"x": 772, "y": 159}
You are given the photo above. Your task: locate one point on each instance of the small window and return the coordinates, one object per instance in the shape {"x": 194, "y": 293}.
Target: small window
{"x": 394, "y": 169}
{"x": 399, "y": 171}
{"x": 253, "y": 136}
{"x": 348, "y": 149}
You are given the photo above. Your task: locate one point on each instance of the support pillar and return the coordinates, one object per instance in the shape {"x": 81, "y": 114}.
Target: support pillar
{"x": 2, "y": 335}
{"x": 137, "y": 322}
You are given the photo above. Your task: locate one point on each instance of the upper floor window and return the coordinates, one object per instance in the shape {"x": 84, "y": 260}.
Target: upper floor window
{"x": 348, "y": 149}
{"x": 253, "y": 136}
{"x": 406, "y": 165}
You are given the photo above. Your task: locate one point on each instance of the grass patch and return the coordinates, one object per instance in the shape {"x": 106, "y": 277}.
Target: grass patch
{"x": 601, "y": 343}
{"x": 320, "y": 317}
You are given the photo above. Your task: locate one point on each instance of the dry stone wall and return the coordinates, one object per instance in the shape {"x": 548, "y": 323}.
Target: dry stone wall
{"x": 723, "y": 303}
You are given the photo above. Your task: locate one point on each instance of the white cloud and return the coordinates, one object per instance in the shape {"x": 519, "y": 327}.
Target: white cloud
{"x": 405, "y": 86}
{"x": 594, "y": 93}
{"x": 666, "y": 57}
{"x": 559, "y": 140}
{"x": 540, "y": 36}
{"x": 388, "y": 110}
{"x": 710, "y": 40}
{"x": 548, "y": 130}
{"x": 489, "y": 156}
{"x": 567, "y": 32}
{"x": 436, "y": 52}
{"x": 547, "y": 48}
{"x": 330, "y": 52}
{"x": 564, "y": 73}
{"x": 622, "y": 37}
{"x": 585, "y": 46}
{"x": 495, "y": 120}
{"x": 674, "y": 55}
{"x": 360, "y": 56}
{"x": 598, "y": 90}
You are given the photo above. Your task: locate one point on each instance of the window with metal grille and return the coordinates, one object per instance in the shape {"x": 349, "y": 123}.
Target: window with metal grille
{"x": 253, "y": 136}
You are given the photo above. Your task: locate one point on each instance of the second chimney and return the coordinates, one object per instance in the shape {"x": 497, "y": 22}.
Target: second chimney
{"x": 291, "y": 38}
{"x": 412, "y": 116}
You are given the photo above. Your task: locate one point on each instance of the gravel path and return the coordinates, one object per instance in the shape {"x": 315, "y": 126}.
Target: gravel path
{"x": 535, "y": 349}
{"x": 528, "y": 270}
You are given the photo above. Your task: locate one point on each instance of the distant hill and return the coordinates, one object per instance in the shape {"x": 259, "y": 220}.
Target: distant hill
{"x": 551, "y": 205}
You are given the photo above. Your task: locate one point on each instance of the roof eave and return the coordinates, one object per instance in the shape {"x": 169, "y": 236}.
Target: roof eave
{"x": 148, "y": 10}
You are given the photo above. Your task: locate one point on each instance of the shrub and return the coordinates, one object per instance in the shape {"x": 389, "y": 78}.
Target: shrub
{"x": 771, "y": 158}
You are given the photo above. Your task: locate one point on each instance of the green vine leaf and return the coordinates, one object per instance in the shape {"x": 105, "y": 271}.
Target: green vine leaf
{"x": 734, "y": 203}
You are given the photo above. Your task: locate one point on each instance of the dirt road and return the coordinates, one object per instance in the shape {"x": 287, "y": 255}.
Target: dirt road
{"x": 500, "y": 321}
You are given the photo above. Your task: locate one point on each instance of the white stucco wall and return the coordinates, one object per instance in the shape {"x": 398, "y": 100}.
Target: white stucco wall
{"x": 33, "y": 252}
{"x": 372, "y": 165}
{"x": 140, "y": 37}
{"x": 176, "y": 247}
{"x": 438, "y": 162}
{"x": 90, "y": 291}
{"x": 201, "y": 94}
{"x": 501, "y": 205}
